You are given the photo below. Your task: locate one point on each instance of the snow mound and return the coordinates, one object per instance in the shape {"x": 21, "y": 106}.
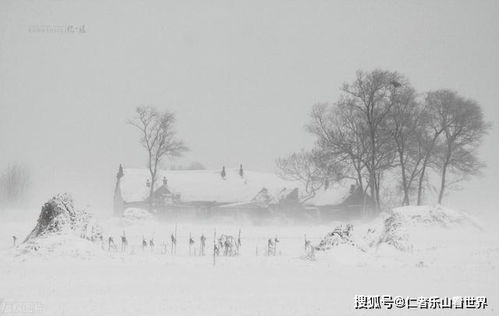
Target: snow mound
{"x": 58, "y": 215}
{"x": 62, "y": 229}
{"x": 60, "y": 245}
{"x": 341, "y": 235}
{"x": 411, "y": 227}
{"x": 343, "y": 246}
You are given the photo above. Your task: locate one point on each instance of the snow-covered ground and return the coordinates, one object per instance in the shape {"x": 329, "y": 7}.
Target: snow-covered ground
{"x": 75, "y": 277}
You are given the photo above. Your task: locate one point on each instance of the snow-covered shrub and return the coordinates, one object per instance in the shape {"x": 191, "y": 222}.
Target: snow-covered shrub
{"x": 61, "y": 229}
{"x": 395, "y": 234}
{"x": 408, "y": 225}
{"x": 59, "y": 215}
{"x": 341, "y": 235}
{"x": 343, "y": 245}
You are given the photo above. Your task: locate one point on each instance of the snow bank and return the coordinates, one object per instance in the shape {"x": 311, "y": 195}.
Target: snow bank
{"x": 60, "y": 245}
{"x": 410, "y": 227}
{"x": 406, "y": 229}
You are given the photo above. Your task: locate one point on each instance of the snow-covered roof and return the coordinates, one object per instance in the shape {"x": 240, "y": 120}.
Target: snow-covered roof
{"x": 204, "y": 185}
{"x": 208, "y": 186}
{"x": 335, "y": 194}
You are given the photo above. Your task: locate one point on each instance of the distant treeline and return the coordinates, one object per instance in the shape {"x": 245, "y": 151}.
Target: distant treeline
{"x": 14, "y": 185}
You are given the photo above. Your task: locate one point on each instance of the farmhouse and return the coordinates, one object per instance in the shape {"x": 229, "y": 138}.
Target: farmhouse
{"x": 205, "y": 193}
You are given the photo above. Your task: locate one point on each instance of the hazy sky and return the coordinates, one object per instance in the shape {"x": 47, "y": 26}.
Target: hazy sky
{"x": 241, "y": 77}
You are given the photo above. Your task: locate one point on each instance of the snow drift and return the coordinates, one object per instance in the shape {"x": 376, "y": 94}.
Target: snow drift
{"x": 62, "y": 229}
{"x": 405, "y": 229}
{"x": 58, "y": 215}
{"x": 341, "y": 235}
{"x": 343, "y": 245}
{"x": 410, "y": 227}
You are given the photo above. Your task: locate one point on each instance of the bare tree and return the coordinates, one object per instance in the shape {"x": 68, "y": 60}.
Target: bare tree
{"x": 378, "y": 124}
{"x": 14, "y": 183}
{"x": 340, "y": 140}
{"x": 304, "y": 167}
{"x": 158, "y": 137}
{"x": 431, "y": 128}
{"x": 463, "y": 128}
{"x": 372, "y": 95}
{"x": 407, "y": 124}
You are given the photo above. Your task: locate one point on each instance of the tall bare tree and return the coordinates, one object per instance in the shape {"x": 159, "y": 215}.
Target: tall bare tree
{"x": 340, "y": 139}
{"x": 407, "y": 124}
{"x": 158, "y": 137}
{"x": 429, "y": 136}
{"x": 463, "y": 128}
{"x": 372, "y": 95}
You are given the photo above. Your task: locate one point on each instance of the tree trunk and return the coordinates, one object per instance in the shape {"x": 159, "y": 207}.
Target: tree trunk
{"x": 151, "y": 191}
{"x": 359, "y": 177}
{"x": 442, "y": 183}
{"x": 420, "y": 184}
{"x": 372, "y": 170}
{"x": 425, "y": 163}
{"x": 151, "y": 188}
{"x": 372, "y": 187}
{"x": 404, "y": 180}
{"x": 378, "y": 198}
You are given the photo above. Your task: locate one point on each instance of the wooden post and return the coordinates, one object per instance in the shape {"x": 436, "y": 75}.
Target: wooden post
{"x": 124, "y": 242}
{"x": 171, "y": 246}
{"x": 214, "y": 245}
{"x": 176, "y": 239}
{"x": 239, "y": 241}
{"x": 239, "y": 237}
{"x": 275, "y": 245}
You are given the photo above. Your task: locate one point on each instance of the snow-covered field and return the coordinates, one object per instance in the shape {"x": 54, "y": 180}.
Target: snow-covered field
{"x": 71, "y": 276}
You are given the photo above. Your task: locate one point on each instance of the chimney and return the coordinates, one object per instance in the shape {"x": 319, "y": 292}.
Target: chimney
{"x": 120, "y": 173}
